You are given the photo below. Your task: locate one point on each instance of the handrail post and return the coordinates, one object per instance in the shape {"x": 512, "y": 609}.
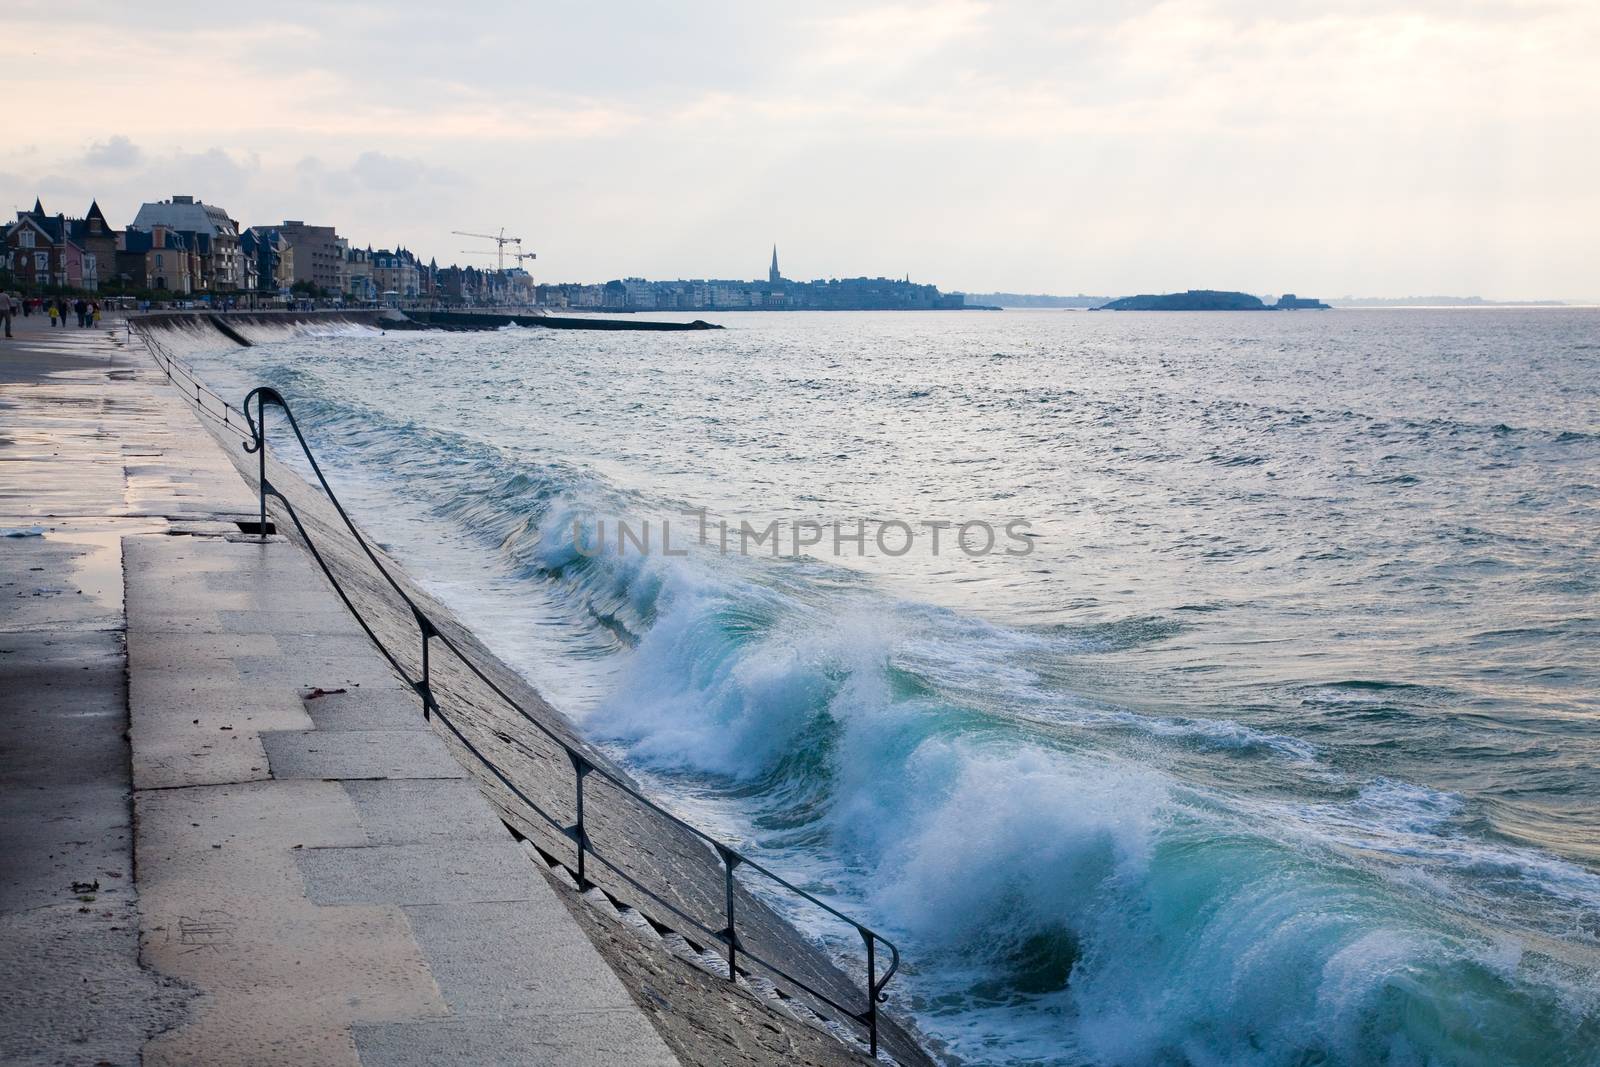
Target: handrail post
{"x": 730, "y": 860}
{"x": 871, "y": 1018}
{"x": 261, "y": 482}
{"x": 580, "y": 836}
{"x": 424, "y": 687}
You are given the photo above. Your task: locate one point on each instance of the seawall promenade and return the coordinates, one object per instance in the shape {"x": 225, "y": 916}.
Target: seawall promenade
{"x": 231, "y": 836}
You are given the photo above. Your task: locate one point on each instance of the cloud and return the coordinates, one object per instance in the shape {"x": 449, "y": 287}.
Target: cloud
{"x": 118, "y": 153}
{"x": 883, "y": 38}
{"x": 61, "y": 185}
{"x": 1030, "y": 144}
{"x": 215, "y": 174}
{"x": 386, "y": 173}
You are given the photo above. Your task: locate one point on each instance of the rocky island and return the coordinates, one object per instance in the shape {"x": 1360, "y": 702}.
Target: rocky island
{"x": 1208, "y": 300}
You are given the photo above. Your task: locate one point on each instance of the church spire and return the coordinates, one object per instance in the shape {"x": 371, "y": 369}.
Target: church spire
{"x": 772, "y": 275}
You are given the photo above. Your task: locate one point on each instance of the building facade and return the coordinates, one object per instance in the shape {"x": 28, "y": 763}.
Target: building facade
{"x": 159, "y": 258}
{"x": 318, "y": 258}
{"x": 272, "y": 256}
{"x": 36, "y": 255}
{"x": 358, "y": 281}
{"x": 215, "y": 236}
{"x": 395, "y": 274}
{"x": 42, "y": 250}
{"x": 94, "y": 235}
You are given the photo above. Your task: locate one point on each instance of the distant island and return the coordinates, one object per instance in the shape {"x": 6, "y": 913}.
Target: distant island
{"x": 1209, "y": 300}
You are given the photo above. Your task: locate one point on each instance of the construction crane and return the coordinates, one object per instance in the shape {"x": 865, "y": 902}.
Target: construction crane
{"x": 518, "y": 256}
{"x": 500, "y": 239}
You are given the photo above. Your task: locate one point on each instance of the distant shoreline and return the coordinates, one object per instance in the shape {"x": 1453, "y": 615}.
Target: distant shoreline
{"x": 1046, "y": 302}
{"x": 1543, "y": 306}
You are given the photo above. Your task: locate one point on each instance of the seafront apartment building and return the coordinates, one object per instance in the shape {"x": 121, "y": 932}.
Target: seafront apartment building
{"x": 212, "y": 227}
{"x": 318, "y": 255}
{"x": 40, "y": 249}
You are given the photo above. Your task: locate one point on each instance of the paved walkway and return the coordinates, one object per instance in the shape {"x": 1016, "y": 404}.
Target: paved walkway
{"x": 317, "y": 880}
{"x": 74, "y": 465}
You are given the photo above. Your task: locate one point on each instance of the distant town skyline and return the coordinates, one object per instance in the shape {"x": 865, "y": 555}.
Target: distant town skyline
{"x": 1336, "y": 148}
{"x": 183, "y": 248}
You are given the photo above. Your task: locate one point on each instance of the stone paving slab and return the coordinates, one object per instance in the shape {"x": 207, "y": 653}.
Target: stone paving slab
{"x": 272, "y": 576}
{"x": 573, "y": 1039}
{"x": 297, "y": 623}
{"x": 326, "y": 670}
{"x": 193, "y": 721}
{"x": 433, "y": 872}
{"x": 465, "y": 941}
{"x": 187, "y": 654}
{"x": 347, "y": 754}
{"x": 204, "y": 736}
{"x": 407, "y": 810}
{"x": 225, "y": 910}
{"x": 357, "y": 709}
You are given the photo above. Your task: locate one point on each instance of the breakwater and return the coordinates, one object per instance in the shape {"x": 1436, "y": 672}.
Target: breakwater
{"x": 490, "y": 320}
{"x": 246, "y": 328}
{"x": 199, "y": 331}
{"x": 235, "y": 324}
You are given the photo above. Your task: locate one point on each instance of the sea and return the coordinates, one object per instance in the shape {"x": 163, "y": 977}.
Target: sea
{"x": 1245, "y": 712}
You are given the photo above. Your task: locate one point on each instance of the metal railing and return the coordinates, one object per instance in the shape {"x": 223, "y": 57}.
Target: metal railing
{"x": 253, "y": 431}
{"x": 206, "y": 401}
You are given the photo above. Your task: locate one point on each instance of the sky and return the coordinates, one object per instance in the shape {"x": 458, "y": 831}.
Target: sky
{"x": 1331, "y": 148}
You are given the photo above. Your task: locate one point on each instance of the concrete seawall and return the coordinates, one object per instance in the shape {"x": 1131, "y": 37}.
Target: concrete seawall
{"x": 228, "y": 323}
{"x": 236, "y": 325}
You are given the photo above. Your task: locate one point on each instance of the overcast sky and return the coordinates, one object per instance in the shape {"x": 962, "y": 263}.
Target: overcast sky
{"x": 1365, "y": 147}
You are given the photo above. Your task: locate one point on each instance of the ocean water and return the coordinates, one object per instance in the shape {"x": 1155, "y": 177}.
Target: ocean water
{"x": 1280, "y": 745}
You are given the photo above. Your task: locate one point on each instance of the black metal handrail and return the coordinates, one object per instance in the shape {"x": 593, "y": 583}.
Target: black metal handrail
{"x": 175, "y": 369}
{"x": 582, "y": 765}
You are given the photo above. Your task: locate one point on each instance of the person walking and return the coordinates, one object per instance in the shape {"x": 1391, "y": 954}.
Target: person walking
{"x": 53, "y": 314}
{"x": 80, "y": 309}
{"x": 8, "y": 307}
